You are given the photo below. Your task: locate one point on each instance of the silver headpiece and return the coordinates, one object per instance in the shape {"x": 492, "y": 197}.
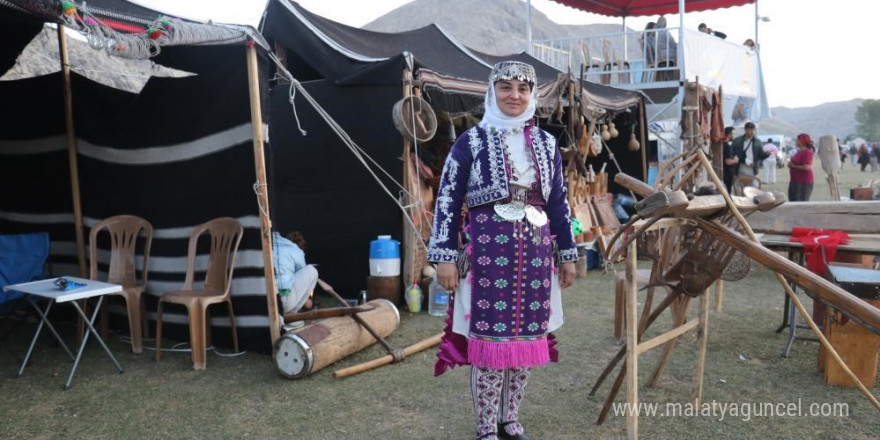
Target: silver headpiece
{"x": 508, "y": 70}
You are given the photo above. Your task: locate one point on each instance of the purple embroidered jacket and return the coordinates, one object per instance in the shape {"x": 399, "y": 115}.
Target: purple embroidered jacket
{"x": 475, "y": 172}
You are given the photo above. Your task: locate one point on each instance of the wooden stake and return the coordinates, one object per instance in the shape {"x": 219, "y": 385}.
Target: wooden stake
{"x": 703, "y": 339}
{"x": 263, "y": 193}
{"x": 782, "y": 281}
{"x": 719, "y": 294}
{"x": 71, "y": 152}
{"x": 632, "y": 343}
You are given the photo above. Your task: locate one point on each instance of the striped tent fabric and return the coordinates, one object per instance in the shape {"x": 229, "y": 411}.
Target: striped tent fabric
{"x": 177, "y": 154}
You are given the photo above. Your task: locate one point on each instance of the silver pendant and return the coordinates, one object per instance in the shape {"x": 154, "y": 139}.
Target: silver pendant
{"x": 511, "y": 212}
{"x": 535, "y": 217}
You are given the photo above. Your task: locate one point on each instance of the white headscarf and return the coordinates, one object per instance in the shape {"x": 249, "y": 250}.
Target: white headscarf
{"x": 505, "y": 71}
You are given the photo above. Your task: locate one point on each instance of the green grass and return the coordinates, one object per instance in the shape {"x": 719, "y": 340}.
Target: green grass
{"x": 245, "y": 398}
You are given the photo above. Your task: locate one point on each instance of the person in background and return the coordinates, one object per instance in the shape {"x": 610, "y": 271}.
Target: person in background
{"x": 864, "y": 156}
{"x": 800, "y": 187}
{"x": 750, "y": 44}
{"x": 648, "y": 39}
{"x": 853, "y": 154}
{"x": 750, "y": 151}
{"x": 667, "y": 52}
{"x": 707, "y": 30}
{"x": 731, "y": 161}
{"x": 842, "y": 149}
{"x": 294, "y": 278}
{"x": 770, "y": 162}
{"x": 874, "y": 157}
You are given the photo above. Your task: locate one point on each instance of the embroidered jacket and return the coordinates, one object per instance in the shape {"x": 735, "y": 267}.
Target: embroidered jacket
{"x": 475, "y": 172}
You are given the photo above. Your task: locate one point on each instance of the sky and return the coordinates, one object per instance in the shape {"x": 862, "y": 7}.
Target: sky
{"x": 812, "y": 51}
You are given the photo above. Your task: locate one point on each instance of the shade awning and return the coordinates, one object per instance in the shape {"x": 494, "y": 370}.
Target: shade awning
{"x": 635, "y": 8}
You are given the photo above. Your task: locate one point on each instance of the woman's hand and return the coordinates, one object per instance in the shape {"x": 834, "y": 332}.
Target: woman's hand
{"x": 447, "y": 275}
{"x": 566, "y": 275}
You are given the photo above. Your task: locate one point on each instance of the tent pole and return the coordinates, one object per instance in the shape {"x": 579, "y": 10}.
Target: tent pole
{"x": 263, "y": 193}
{"x": 644, "y": 140}
{"x": 529, "y": 27}
{"x": 71, "y": 152}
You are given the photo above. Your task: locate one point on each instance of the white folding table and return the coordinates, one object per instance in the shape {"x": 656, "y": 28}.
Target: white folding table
{"x": 46, "y": 289}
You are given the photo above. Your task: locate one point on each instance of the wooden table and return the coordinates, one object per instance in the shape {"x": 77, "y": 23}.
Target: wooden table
{"x": 46, "y": 289}
{"x": 868, "y": 244}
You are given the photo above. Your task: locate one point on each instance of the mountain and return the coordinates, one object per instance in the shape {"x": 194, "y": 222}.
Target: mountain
{"x": 837, "y": 118}
{"x": 496, "y": 27}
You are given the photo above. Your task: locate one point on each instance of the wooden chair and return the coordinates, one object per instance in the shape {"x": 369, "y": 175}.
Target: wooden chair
{"x": 225, "y": 234}
{"x": 124, "y": 231}
{"x": 740, "y": 182}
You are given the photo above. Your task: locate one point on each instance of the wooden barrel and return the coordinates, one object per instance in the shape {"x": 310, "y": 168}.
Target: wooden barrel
{"x": 384, "y": 287}
{"x": 326, "y": 341}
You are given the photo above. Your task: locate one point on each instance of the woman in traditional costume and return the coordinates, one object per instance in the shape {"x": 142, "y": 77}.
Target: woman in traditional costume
{"x": 506, "y": 275}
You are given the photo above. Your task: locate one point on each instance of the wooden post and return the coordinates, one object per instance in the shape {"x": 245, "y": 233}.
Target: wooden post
{"x": 808, "y": 318}
{"x": 71, "y": 152}
{"x": 263, "y": 192}
{"x": 632, "y": 344}
{"x": 643, "y": 140}
{"x": 719, "y": 294}
{"x": 702, "y": 340}
{"x": 409, "y": 237}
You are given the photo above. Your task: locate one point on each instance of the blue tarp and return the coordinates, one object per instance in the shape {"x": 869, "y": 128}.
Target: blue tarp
{"x": 22, "y": 257}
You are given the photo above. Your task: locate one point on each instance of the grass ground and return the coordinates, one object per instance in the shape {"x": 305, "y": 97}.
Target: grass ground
{"x": 244, "y": 397}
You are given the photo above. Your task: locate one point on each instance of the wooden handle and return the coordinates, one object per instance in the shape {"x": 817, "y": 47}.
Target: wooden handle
{"x": 387, "y": 359}
{"x": 634, "y": 185}
{"x": 327, "y": 313}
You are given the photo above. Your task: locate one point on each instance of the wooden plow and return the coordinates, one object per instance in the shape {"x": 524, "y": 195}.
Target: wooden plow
{"x": 710, "y": 231}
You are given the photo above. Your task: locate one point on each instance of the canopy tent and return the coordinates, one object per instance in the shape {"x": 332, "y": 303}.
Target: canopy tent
{"x": 637, "y": 8}
{"x": 178, "y": 154}
{"x": 319, "y": 187}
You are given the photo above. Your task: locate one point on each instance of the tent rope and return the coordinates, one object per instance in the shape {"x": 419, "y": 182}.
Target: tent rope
{"x": 365, "y": 159}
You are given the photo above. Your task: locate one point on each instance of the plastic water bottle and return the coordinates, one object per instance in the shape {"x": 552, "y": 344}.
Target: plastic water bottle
{"x": 438, "y": 299}
{"x": 413, "y": 298}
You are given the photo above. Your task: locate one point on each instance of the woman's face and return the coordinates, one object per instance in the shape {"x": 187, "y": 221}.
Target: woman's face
{"x": 512, "y": 97}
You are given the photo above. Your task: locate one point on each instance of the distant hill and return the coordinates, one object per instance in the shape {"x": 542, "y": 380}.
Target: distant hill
{"x": 837, "y": 118}
{"x": 496, "y": 27}
{"x": 499, "y": 27}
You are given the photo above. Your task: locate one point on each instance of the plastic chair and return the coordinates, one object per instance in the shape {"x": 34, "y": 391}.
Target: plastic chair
{"x": 225, "y": 236}
{"x": 124, "y": 231}
{"x": 740, "y": 182}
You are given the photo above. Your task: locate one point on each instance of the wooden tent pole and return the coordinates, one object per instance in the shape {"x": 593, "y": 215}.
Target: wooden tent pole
{"x": 408, "y": 236}
{"x": 263, "y": 192}
{"x": 644, "y": 140}
{"x": 71, "y": 152}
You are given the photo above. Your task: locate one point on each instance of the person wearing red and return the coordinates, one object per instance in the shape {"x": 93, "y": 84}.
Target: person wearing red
{"x": 800, "y": 187}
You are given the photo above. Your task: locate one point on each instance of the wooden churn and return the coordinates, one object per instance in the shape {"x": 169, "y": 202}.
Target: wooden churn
{"x": 324, "y": 342}
{"x": 389, "y": 288}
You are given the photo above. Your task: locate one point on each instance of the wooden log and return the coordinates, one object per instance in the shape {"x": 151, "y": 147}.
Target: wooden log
{"x": 641, "y": 189}
{"x": 632, "y": 342}
{"x": 387, "y": 359}
{"x": 318, "y": 345}
{"x": 852, "y": 217}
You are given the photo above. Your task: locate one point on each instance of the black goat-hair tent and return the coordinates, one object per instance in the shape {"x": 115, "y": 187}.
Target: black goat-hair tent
{"x": 178, "y": 153}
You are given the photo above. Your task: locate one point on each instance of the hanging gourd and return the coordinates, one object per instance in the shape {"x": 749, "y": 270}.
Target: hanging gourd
{"x": 633, "y": 142}
{"x": 606, "y": 136}
{"x": 613, "y": 130}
